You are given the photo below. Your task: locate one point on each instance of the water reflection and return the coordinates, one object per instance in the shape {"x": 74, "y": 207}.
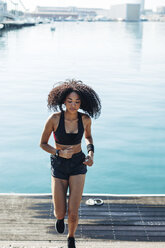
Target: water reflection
{"x": 2, "y": 40}
{"x": 1, "y": 33}
{"x": 135, "y": 31}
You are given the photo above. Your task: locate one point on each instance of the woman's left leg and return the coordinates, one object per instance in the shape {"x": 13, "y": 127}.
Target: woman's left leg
{"x": 76, "y": 185}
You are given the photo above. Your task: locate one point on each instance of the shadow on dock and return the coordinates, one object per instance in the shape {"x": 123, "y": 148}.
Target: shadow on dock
{"x": 26, "y": 217}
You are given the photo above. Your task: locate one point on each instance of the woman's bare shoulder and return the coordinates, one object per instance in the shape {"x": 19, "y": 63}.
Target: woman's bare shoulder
{"x": 53, "y": 121}
{"x": 86, "y": 119}
{"x": 55, "y": 115}
{"x": 54, "y": 118}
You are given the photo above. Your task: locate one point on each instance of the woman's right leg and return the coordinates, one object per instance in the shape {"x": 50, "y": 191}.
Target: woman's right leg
{"x": 59, "y": 191}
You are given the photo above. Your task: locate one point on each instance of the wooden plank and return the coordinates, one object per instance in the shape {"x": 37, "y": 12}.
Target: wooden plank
{"x": 124, "y": 209}
{"x": 99, "y": 213}
{"x": 123, "y": 218}
{"x": 125, "y": 228}
{"x": 140, "y": 233}
{"x": 17, "y": 226}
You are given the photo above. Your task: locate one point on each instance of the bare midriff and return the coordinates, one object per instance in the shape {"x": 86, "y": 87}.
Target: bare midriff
{"x": 76, "y": 148}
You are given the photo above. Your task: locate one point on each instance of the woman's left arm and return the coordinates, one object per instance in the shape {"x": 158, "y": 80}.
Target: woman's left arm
{"x": 88, "y": 140}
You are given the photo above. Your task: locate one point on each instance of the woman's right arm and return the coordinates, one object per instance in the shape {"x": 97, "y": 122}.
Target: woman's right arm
{"x": 48, "y": 129}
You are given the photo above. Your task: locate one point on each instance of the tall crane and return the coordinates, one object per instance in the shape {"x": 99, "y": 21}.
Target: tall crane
{"x": 17, "y": 3}
{"x": 22, "y": 4}
{"x": 14, "y": 3}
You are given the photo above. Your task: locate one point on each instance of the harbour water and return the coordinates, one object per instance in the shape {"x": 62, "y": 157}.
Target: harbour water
{"x": 125, "y": 64}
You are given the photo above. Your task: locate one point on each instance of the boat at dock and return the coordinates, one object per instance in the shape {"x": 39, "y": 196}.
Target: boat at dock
{"x": 52, "y": 28}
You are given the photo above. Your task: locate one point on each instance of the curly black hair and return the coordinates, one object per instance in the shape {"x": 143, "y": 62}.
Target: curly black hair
{"x": 90, "y": 101}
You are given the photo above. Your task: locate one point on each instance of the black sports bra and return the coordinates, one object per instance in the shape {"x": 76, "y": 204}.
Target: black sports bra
{"x": 63, "y": 138}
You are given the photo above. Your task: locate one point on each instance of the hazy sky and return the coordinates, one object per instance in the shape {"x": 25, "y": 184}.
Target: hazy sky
{"x": 31, "y": 4}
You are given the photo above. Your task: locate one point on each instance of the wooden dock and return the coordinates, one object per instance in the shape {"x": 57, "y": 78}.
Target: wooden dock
{"x": 28, "y": 219}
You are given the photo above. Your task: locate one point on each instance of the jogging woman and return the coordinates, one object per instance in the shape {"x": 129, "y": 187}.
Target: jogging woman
{"x": 68, "y": 162}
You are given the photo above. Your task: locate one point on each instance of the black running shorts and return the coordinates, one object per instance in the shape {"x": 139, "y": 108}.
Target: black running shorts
{"x": 64, "y": 168}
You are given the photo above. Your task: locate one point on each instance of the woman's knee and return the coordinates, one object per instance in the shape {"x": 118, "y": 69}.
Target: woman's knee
{"x": 59, "y": 214}
{"x": 72, "y": 215}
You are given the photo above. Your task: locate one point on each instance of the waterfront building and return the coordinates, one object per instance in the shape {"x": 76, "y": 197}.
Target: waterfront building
{"x": 57, "y": 13}
{"x": 64, "y": 13}
{"x": 3, "y": 9}
{"x": 148, "y": 12}
{"x": 69, "y": 13}
{"x": 160, "y": 10}
{"x": 125, "y": 12}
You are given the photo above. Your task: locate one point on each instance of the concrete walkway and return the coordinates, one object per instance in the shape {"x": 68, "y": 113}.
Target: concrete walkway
{"x": 83, "y": 244}
{"x": 27, "y": 221}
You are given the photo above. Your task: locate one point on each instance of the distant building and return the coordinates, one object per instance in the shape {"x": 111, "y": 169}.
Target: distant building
{"x": 148, "y": 12}
{"x": 65, "y": 12}
{"x": 3, "y": 9}
{"x": 126, "y": 12}
{"x": 161, "y": 10}
{"x": 55, "y": 12}
{"x": 142, "y": 6}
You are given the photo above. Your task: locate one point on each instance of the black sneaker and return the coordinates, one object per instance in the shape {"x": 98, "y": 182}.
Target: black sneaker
{"x": 71, "y": 242}
{"x": 60, "y": 226}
